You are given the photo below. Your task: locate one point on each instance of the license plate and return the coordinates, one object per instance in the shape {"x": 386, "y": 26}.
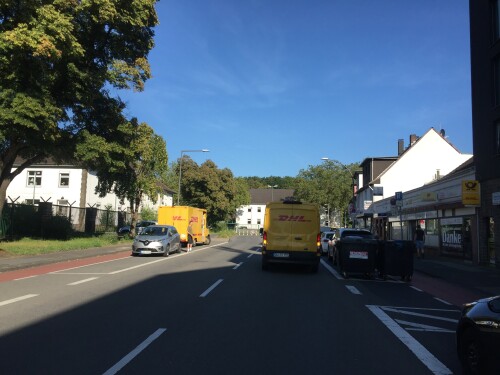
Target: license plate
{"x": 358, "y": 254}
{"x": 145, "y": 251}
{"x": 281, "y": 255}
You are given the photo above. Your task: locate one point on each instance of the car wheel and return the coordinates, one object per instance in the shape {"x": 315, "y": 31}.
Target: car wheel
{"x": 167, "y": 251}
{"x": 471, "y": 351}
{"x": 208, "y": 240}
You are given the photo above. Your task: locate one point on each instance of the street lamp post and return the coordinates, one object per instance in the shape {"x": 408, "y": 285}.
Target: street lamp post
{"x": 272, "y": 191}
{"x": 180, "y": 171}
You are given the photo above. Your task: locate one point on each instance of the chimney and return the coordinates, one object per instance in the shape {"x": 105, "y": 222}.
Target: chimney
{"x": 401, "y": 146}
{"x": 443, "y": 133}
{"x": 413, "y": 139}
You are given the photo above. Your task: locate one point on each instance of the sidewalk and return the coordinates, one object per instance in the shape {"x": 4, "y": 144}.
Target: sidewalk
{"x": 483, "y": 280}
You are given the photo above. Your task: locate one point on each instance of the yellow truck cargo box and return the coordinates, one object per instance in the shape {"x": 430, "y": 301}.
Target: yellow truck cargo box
{"x": 180, "y": 216}
{"x": 291, "y": 234}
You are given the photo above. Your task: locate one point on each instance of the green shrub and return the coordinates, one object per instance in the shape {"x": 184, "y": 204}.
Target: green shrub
{"x": 57, "y": 228}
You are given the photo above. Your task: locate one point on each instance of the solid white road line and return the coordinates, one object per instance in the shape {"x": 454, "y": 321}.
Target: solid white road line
{"x": 250, "y": 255}
{"x": 85, "y": 265}
{"x": 134, "y": 353}
{"x": 420, "y": 315}
{"x": 13, "y": 300}
{"x": 237, "y": 266}
{"x": 138, "y": 266}
{"x": 353, "y": 289}
{"x": 24, "y": 278}
{"x": 83, "y": 281}
{"x": 414, "y": 287}
{"x": 443, "y": 301}
{"x": 422, "y": 327}
{"x": 331, "y": 270}
{"x": 206, "y": 292}
{"x": 426, "y": 357}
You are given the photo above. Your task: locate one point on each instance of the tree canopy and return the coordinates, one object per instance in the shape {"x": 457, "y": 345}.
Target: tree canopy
{"x": 214, "y": 189}
{"x": 58, "y": 59}
{"x": 328, "y": 184}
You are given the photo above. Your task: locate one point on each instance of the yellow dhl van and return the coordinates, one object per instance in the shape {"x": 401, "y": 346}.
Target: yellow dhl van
{"x": 291, "y": 234}
{"x": 179, "y": 217}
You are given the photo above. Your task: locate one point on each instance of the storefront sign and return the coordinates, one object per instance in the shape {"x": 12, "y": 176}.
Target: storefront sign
{"x": 378, "y": 190}
{"x": 495, "y": 198}
{"x": 451, "y": 236}
{"x": 428, "y": 197}
{"x": 471, "y": 195}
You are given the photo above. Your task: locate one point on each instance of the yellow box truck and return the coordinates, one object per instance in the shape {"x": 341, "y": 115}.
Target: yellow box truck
{"x": 291, "y": 234}
{"x": 180, "y": 216}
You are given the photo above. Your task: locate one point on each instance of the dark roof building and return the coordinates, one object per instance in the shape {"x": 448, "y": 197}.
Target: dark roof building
{"x": 485, "y": 92}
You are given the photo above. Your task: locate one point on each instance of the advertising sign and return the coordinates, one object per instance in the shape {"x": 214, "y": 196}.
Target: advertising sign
{"x": 471, "y": 195}
{"x": 451, "y": 236}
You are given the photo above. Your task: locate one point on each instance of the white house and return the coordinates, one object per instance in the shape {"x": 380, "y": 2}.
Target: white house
{"x": 426, "y": 159}
{"x": 251, "y": 216}
{"x": 67, "y": 184}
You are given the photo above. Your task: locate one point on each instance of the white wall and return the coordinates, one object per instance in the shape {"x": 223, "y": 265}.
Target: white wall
{"x": 50, "y": 190}
{"x": 254, "y": 216}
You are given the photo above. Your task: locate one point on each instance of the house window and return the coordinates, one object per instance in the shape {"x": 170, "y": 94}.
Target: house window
{"x": 63, "y": 179}
{"x": 30, "y": 201}
{"x": 62, "y": 207}
{"x": 34, "y": 178}
{"x": 258, "y": 209}
{"x": 249, "y": 209}
{"x": 249, "y": 221}
{"x": 258, "y": 221}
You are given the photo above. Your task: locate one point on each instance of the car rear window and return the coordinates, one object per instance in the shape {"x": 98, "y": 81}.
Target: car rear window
{"x": 356, "y": 233}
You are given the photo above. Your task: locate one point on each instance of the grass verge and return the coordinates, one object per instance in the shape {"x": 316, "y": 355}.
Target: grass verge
{"x": 29, "y": 246}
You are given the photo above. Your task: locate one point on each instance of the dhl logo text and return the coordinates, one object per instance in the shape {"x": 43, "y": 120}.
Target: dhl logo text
{"x": 292, "y": 218}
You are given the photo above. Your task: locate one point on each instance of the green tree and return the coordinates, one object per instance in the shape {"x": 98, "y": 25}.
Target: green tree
{"x": 208, "y": 187}
{"x": 57, "y": 60}
{"x": 329, "y": 183}
{"x": 132, "y": 163}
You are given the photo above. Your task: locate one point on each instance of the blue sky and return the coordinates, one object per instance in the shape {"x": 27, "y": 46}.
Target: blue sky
{"x": 272, "y": 86}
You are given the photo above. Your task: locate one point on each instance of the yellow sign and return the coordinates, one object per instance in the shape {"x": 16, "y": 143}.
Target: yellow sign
{"x": 471, "y": 193}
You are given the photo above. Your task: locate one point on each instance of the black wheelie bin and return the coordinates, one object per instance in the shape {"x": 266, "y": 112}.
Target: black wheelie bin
{"x": 396, "y": 259}
{"x": 357, "y": 256}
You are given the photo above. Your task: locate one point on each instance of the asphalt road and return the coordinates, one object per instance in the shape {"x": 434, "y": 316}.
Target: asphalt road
{"x": 214, "y": 311}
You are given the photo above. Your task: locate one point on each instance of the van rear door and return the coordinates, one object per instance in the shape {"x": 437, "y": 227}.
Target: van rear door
{"x": 304, "y": 228}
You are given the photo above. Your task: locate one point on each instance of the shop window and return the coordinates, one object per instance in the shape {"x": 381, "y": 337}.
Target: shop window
{"x": 431, "y": 227}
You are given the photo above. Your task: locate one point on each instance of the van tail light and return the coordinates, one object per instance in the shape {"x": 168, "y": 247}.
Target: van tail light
{"x": 318, "y": 240}
{"x": 264, "y": 239}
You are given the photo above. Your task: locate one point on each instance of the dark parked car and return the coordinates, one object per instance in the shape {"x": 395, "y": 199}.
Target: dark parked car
{"x": 478, "y": 337}
{"x": 341, "y": 233}
{"x": 138, "y": 227}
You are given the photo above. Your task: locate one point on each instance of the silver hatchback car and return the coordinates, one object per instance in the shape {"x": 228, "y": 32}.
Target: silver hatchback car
{"x": 157, "y": 239}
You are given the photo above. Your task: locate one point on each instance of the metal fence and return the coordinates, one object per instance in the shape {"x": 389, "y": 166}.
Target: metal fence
{"x": 23, "y": 219}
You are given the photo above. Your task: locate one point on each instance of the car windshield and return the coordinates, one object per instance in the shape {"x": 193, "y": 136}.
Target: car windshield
{"x": 154, "y": 231}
